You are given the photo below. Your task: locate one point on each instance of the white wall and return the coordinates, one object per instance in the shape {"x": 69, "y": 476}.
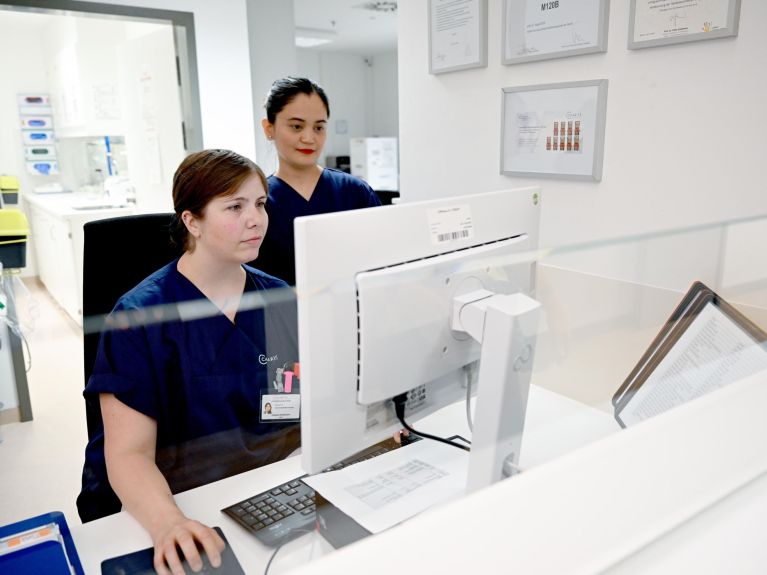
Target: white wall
{"x": 223, "y": 64}
{"x": 344, "y": 76}
{"x": 384, "y": 96}
{"x": 272, "y": 55}
{"x": 684, "y": 138}
{"x": 362, "y": 91}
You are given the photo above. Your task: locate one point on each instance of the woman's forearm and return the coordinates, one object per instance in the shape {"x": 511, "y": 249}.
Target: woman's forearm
{"x": 143, "y": 491}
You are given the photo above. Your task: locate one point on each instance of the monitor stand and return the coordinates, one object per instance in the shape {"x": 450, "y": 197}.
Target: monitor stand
{"x": 506, "y": 327}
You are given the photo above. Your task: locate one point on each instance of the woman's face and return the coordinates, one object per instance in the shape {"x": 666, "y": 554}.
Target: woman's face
{"x": 299, "y": 130}
{"x": 233, "y": 227}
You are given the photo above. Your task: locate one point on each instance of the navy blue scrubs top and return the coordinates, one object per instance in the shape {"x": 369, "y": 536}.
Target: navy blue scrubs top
{"x": 335, "y": 191}
{"x": 199, "y": 378}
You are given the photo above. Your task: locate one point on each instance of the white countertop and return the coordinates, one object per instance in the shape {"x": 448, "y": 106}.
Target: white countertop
{"x": 67, "y": 204}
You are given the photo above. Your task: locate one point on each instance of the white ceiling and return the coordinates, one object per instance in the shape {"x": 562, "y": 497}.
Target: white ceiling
{"x": 23, "y": 21}
{"x": 351, "y": 24}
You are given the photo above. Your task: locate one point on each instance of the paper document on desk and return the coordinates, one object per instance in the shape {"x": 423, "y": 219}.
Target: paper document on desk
{"x": 386, "y": 490}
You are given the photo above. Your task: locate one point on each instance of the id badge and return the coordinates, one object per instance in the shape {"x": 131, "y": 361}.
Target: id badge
{"x": 280, "y": 406}
{"x": 282, "y": 402}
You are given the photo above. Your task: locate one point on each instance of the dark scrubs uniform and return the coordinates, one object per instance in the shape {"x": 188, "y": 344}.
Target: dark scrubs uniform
{"x": 336, "y": 191}
{"x": 199, "y": 376}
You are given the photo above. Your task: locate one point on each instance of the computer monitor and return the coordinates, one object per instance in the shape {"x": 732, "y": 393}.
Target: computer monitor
{"x": 381, "y": 293}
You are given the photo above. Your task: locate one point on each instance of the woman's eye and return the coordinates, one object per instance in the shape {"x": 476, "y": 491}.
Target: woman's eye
{"x": 296, "y": 127}
{"x": 235, "y": 207}
{"x": 320, "y": 128}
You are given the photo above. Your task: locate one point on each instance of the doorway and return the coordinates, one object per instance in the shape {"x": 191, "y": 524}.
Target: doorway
{"x": 118, "y": 87}
{"x": 116, "y": 75}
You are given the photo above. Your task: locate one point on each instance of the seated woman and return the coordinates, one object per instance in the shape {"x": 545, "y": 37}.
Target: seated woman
{"x": 185, "y": 372}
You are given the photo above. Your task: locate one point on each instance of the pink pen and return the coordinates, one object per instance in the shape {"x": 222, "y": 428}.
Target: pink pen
{"x": 288, "y": 381}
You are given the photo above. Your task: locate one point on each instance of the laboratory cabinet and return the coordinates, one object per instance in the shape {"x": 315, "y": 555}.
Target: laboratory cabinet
{"x": 52, "y": 239}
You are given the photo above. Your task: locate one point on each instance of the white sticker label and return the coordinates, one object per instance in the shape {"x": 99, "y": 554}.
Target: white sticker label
{"x": 450, "y": 224}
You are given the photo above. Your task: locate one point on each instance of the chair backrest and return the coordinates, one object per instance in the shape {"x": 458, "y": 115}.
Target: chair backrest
{"x": 117, "y": 254}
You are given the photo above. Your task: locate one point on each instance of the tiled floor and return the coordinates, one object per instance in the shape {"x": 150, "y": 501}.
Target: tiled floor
{"x": 41, "y": 460}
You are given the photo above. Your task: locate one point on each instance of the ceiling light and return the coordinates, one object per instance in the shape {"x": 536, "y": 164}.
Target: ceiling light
{"x": 310, "y": 37}
{"x": 306, "y": 42}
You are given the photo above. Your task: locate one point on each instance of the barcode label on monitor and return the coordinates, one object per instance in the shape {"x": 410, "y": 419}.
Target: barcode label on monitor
{"x": 453, "y": 236}
{"x": 450, "y": 224}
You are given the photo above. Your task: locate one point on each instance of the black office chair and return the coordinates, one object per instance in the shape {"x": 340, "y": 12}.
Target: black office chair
{"x": 118, "y": 253}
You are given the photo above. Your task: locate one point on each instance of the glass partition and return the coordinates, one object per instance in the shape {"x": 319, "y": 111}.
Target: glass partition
{"x": 600, "y": 307}
{"x": 611, "y": 313}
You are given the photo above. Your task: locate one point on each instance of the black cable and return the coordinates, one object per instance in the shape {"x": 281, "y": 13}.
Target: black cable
{"x": 281, "y": 545}
{"x": 399, "y": 411}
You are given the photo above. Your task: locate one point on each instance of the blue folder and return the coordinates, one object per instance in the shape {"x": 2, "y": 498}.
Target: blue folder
{"x": 46, "y": 557}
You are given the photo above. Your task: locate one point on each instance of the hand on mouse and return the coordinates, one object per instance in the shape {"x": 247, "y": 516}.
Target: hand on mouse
{"x": 179, "y": 532}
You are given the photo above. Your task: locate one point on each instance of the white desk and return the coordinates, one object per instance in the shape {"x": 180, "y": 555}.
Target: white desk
{"x": 555, "y": 425}
{"x": 683, "y": 492}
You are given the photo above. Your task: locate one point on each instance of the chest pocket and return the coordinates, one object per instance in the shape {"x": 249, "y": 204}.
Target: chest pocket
{"x": 219, "y": 402}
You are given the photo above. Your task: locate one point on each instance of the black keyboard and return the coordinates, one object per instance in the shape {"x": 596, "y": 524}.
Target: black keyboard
{"x": 287, "y": 511}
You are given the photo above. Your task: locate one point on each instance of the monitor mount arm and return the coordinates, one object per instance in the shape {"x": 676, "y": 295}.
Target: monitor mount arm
{"x": 505, "y": 326}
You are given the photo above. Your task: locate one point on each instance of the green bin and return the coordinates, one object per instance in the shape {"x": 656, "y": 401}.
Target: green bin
{"x": 14, "y": 230}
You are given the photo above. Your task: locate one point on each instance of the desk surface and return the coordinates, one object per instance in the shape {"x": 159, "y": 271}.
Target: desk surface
{"x": 555, "y": 425}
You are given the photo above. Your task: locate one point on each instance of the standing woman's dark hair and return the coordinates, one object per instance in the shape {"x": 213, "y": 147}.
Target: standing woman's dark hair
{"x": 203, "y": 176}
{"x": 284, "y": 90}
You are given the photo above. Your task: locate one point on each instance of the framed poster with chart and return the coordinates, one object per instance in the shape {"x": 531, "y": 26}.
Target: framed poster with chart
{"x": 704, "y": 345}
{"x": 457, "y": 35}
{"x": 660, "y": 22}
{"x": 554, "y": 130}
{"x": 538, "y": 30}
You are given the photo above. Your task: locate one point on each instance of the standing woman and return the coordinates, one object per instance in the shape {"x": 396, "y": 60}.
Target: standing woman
{"x": 182, "y": 396}
{"x": 297, "y": 112}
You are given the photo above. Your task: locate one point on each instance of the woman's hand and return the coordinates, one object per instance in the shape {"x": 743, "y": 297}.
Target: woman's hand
{"x": 179, "y": 532}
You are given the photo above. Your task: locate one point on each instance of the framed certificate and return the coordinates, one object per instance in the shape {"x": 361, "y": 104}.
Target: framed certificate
{"x": 539, "y": 30}
{"x": 655, "y": 23}
{"x": 554, "y": 130}
{"x": 457, "y": 35}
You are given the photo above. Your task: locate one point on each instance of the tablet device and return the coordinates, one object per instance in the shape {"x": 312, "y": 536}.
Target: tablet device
{"x": 141, "y": 563}
{"x": 704, "y": 345}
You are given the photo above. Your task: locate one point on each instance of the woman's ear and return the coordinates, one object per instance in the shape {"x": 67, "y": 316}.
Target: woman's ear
{"x": 191, "y": 223}
{"x": 268, "y": 128}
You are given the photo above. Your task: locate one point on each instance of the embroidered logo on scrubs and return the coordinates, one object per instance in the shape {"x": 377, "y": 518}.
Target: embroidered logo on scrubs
{"x": 263, "y": 359}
